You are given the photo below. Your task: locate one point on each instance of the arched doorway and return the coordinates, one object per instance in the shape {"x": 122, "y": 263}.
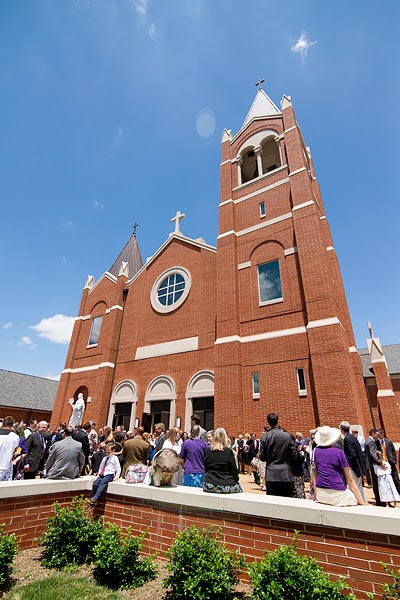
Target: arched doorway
{"x": 159, "y": 405}
{"x": 123, "y": 405}
{"x": 200, "y": 399}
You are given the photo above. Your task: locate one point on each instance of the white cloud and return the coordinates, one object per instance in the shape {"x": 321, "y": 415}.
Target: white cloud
{"x": 98, "y": 205}
{"x": 118, "y": 134}
{"x": 302, "y": 45}
{"x": 8, "y": 325}
{"x": 141, "y": 7}
{"x": 57, "y": 329}
{"x": 54, "y": 376}
{"x": 152, "y": 31}
{"x": 25, "y": 341}
{"x": 67, "y": 224}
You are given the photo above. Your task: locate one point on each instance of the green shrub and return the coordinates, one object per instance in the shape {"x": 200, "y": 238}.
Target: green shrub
{"x": 117, "y": 560}
{"x": 285, "y": 575}
{"x": 390, "y": 591}
{"x": 8, "y": 549}
{"x": 201, "y": 567}
{"x": 70, "y": 537}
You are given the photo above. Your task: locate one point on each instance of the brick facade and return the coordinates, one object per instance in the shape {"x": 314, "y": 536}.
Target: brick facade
{"x": 347, "y": 541}
{"x": 234, "y": 334}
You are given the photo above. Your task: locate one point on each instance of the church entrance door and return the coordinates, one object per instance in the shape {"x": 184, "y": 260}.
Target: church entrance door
{"x": 204, "y": 407}
{"x": 122, "y": 415}
{"x": 160, "y": 413}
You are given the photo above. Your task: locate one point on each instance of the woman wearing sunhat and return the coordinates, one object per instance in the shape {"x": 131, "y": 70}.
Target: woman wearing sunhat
{"x": 332, "y": 469}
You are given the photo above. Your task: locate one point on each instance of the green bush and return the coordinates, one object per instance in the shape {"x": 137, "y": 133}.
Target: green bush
{"x": 8, "y": 549}
{"x": 285, "y": 575}
{"x": 70, "y": 537}
{"x": 201, "y": 567}
{"x": 390, "y": 591}
{"x": 117, "y": 560}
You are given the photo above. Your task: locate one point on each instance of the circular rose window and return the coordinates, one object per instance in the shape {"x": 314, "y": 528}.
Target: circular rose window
{"x": 170, "y": 290}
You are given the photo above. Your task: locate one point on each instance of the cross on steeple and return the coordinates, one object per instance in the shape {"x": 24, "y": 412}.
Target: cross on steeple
{"x": 134, "y": 228}
{"x": 260, "y": 82}
{"x": 177, "y": 218}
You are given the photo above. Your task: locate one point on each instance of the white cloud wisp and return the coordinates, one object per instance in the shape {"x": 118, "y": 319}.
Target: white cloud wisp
{"x": 57, "y": 329}
{"x": 302, "y": 45}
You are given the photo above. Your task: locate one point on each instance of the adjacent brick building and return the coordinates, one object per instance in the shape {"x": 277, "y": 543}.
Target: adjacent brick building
{"x": 256, "y": 324}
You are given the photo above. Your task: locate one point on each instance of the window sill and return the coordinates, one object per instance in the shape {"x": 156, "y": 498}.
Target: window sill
{"x": 256, "y": 396}
{"x": 263, "y": 216}
{"x": 92, "y": 346}
{"x": 302, "y": 393}
{"x": 268, "y": 302}
{"x": 264, "y": 176}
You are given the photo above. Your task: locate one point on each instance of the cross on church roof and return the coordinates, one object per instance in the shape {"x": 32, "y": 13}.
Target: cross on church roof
{"x": 260, "y": 82}
{"x": 177, "y": 218}
{"x": 134, "y": 228}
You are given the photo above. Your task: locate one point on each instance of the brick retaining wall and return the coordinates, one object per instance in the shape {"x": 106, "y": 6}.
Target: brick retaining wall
{"x": 345, "y": 541}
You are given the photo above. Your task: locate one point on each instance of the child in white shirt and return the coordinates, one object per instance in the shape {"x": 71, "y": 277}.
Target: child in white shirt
{"x": 387, "y": 489}
{"x": 109, "y": 470}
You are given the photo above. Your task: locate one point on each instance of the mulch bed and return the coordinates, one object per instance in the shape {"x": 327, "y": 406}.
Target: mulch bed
{"x": 27, "y": 568}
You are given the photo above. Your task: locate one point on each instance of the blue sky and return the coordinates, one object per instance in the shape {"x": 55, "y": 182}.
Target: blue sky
{"x": 100, "y": 102}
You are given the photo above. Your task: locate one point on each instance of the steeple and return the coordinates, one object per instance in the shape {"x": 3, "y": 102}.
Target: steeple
{"x": 262, "y": 107}
{"x": 131, "y": 255}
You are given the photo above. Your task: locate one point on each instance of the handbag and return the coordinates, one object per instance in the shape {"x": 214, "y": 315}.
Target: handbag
{"x": 254, "y": 464}
{"x": 136, "y": 473}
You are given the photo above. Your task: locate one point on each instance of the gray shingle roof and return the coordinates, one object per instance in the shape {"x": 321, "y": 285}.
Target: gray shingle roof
{"x": 392, "y": 353}
{"x": 130, "y": 254}
{"x": 27, "y": 391}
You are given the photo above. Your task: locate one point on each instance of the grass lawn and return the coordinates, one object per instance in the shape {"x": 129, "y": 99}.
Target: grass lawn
{"x": 62, "y": 586}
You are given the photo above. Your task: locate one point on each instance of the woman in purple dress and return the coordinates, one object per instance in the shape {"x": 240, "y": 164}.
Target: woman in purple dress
{"x": 192, "y": 456}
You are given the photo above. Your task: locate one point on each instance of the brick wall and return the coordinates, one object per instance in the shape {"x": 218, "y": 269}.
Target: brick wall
{"x": 346, "y": 541}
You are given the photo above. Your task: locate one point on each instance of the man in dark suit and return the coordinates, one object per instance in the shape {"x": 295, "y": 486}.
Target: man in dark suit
{"x": 371, "y": 458}
{"x": 389, "y": 453}
{"x": 277, "y": 449}
{"x": 80, "y": 435}
{"x": 352, "y": 450}
{"x": 34, "y": 457}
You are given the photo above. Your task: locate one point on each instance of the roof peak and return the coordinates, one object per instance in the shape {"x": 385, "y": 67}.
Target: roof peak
{"x": 262, "y": 107}
{"x": 130, "y": 254}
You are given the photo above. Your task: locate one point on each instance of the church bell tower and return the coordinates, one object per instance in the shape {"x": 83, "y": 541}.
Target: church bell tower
{"x": 284, "y": 335}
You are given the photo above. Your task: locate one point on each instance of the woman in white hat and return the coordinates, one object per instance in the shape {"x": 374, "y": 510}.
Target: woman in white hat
{"x": 332, "y": 469}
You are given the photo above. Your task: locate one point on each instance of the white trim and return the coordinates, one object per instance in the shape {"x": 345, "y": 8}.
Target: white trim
{"x": 222, "y": 235}
{"x": 290, "y": 251}
{"x": 323, "y": 322}
{"x": 297, "y": 171}
{"x": 263, "y": 118}
{"x": 256, "y": 227}
{"x": 228, "y": 160}
{"x": 303, "y": 205}
{"x": 352, "y": 349}
{"x": 244, "y": 265}
{"x": 260, "y": 178}
{"x": 261, "y": 190}
{"x": 256, "y": 396}
{"x": 166, "y": 348}
{"x": 323, "y": 217}
{"x": 105, "y": 275}
{"x": 92, "y": 345}
{"x": 91, "y": 368}
{"x": 226, "y": 202}
{"x": 385, "y": 393}
{"x": 171, "y": 237}
{"x": 85, "y": 318}
{"x": 274, "y": 301}
{"x": 115, "y": 307}
{"x": 330, "y": 248}
{"x": 268, "y": 335}
{"x": 378, "y": 360}
{"x": 291, "y": 128}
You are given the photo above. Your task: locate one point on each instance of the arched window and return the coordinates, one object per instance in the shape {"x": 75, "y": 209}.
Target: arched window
{"x": 123, "y": 405}
{"x": 249, "y": 166}
{"x": 270, "y": 157}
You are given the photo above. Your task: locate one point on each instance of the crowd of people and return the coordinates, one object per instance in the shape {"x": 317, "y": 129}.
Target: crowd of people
{"x": 335, "y": 463}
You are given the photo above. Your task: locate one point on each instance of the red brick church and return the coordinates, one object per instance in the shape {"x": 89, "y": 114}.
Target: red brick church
{"x": 258, "y": 323}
